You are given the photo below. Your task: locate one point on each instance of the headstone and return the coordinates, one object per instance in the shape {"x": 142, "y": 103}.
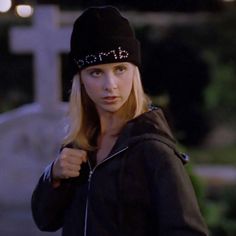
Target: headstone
{"x": 31, "y": 135}
{"x": 30, "y": 139}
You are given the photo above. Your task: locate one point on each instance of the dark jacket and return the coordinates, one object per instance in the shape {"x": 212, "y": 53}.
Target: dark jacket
{"x": 140, "y": 189}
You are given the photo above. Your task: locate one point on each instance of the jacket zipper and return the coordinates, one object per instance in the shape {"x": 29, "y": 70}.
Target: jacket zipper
{"x": 89, "y": 181}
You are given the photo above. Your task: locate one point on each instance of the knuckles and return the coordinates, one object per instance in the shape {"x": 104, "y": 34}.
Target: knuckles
{"x": 63, "y": 163}
{"x": 69, "y": 151}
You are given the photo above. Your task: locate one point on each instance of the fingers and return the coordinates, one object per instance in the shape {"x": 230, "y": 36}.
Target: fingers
{"x": 68, "y": 163}
{"x": 69, "y": 172}
{"x": 76, "y": 156}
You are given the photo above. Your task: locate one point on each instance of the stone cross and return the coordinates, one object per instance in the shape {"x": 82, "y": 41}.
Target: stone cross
{"x": 45, "y": 40}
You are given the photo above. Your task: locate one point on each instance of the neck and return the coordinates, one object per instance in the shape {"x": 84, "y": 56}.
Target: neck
{"x": 110, "y": 124}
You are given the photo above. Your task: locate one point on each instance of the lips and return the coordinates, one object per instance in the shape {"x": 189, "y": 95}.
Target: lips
{"x": 110, "y": 99}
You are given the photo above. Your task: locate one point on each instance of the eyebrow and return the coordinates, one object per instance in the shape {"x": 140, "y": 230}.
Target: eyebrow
{"x": 93, "y": 68}
{"x": 96, "y": 67}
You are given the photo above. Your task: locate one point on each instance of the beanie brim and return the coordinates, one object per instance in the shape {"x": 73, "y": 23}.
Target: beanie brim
{"x": 112, "y": 50}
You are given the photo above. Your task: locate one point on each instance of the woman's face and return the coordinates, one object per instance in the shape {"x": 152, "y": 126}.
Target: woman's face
{"x": 108, "y": 85}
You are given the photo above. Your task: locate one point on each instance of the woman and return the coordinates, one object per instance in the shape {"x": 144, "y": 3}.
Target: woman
{"x": 118, "y": 172}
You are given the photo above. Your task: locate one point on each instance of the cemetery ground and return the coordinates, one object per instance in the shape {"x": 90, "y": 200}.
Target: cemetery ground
{"x": 18, "y": 221}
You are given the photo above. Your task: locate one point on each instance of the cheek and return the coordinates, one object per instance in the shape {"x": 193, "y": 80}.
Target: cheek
{"x": 127, "y": 87}
{"x": 91, "y": 89}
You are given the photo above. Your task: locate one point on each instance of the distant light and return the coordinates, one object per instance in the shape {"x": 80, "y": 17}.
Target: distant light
{"x": 5, "y": 5}
{"x": 228, "y": 0}
{"x": 24, "y": 10}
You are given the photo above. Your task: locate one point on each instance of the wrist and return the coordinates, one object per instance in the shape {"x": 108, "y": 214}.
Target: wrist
{"x": 56, "y": 182}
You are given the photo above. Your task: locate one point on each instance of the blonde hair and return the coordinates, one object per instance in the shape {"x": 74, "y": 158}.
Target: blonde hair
{"x": 83, "y": 117}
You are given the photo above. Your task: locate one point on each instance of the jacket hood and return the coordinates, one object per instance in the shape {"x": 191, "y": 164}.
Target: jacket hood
{"x": 149, "y": 125}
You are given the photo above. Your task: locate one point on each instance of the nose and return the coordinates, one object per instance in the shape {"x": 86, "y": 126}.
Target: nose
{"x": 110, "y": 82}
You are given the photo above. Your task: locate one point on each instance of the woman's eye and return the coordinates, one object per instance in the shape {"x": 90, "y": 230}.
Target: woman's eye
{"x": 95, "y": 73}
{"x": 120, "y": 69}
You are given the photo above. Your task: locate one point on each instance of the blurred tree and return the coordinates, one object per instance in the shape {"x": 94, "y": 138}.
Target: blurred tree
{"x": 216, "y": 42}
{"x": 175, "y": 69}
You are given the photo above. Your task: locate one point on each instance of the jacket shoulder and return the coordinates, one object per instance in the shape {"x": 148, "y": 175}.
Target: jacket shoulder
{"x": 159, "y": 150}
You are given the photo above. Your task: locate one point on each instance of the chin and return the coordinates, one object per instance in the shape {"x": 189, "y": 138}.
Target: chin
{"x": 111, "y": 109}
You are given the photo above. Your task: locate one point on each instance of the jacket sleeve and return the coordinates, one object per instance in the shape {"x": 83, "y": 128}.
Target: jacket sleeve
{"x": 48, "y": 204}
{"x": 175, "y": 207}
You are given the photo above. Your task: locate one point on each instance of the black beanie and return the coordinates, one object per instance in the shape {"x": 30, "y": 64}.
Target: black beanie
{"x": 102, "y": 35}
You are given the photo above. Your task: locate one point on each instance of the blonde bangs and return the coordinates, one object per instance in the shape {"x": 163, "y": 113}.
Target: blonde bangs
{"x": 75, "y": 129}
{"x": 138, "y": 101}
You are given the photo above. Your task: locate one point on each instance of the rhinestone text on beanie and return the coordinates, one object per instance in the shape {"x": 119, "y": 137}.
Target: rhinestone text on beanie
{"x": 115, "y": 54}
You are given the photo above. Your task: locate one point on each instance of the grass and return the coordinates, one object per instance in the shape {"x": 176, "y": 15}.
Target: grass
{"x": 217, "y": 155}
